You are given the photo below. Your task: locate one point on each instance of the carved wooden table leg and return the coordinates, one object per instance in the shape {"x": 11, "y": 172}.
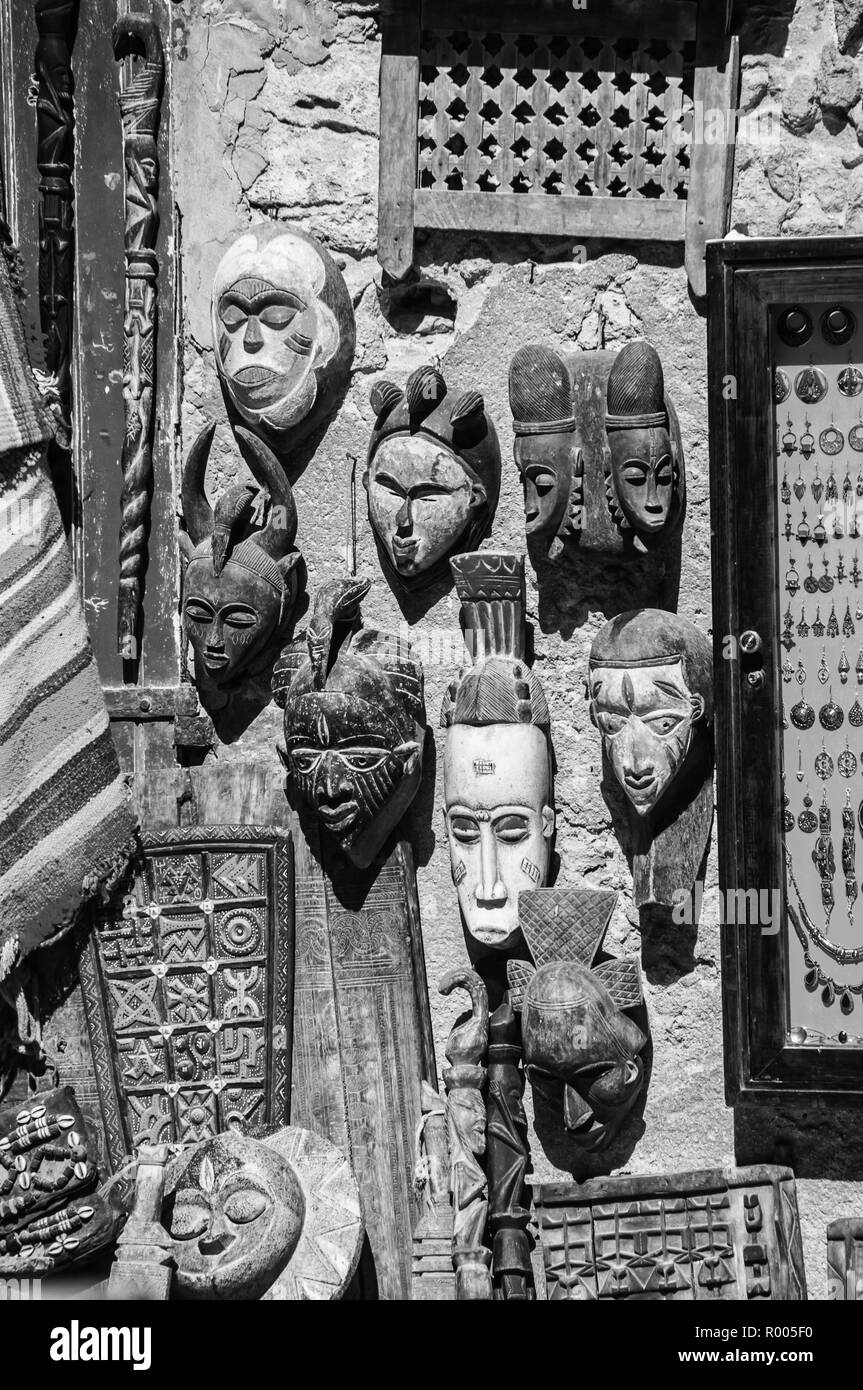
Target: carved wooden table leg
{"x": 508, "y": 1158}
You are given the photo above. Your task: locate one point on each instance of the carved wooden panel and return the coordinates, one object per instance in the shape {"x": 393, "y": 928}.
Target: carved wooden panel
{"x": 188, "y": 984}
{"x": 552, "y": 120}
{"x": 362, "y": 1033}
{"x": 729, "y": 1234}
{"x": 845, "y": 1259}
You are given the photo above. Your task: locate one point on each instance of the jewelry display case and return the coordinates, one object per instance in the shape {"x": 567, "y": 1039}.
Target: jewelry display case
{"x": 786, "y": 441}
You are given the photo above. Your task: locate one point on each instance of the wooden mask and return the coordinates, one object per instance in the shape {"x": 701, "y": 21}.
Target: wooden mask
{"x": 650, "y": 686}
{"x": 283, "y": 330}
{"x": 433, "y": 475}
{"x": 274, "y": 1217}
{"x": 581, "y": 1051}
{"x": 597, "y": 444}
{"x": 354, "y": 722}
{"x": 240, "y": 583}
{"x": 498, "y": 788}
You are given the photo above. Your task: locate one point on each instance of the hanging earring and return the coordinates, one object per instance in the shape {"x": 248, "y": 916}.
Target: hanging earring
{"x": 802, "y": 714}
{"x": 801, "y": 673}
{"x": 787, "y": 639}
{"x": 816, "y": 487}
{"x": 810, "y": 583}
{"x": 825, "y": 583}
{"x": 799, "y": 486}
{"x": 818, "y": 626}
{"x": 831, "y": 716}
{"x": 788, "y": 528}
{"x": 832, "y": 441}
{"x": 819, "y": 532}
{"x": 840, "y": 569}
{"x": 800, "y": 758}
{"x": 855, "y": 437}
{"x": 847, "y": 621}
{"x": 803, "y": 528}
{"x": 823, "y": 669}
{"x": 785, "y": 491}
{"x": 792, "y": 579}
{"x": 833, "y": 622}
{"x": 824, "y": 764}
{"x": 844, "y": 667}
{"x": 787, "y": 817}
{"x": 803, "y": 626}
{"x": 846, "y": 762}
{"x": 787, "y": 671}
{"x": 858, "y": 612}
{"x": 807, "y": 821}
{"x": 838, "y": 526}
{"x": 849, "y": 381}
{"x": 789, "y": 439}
{"x": 855, "y": 714}
{"x": 807, "y": 441}
{"x": 859, "y": 667}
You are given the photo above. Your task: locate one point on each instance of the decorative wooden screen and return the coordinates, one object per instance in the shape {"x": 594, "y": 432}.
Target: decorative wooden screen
{"x": 544, "y": 119}
{"x": 188, "y": 988}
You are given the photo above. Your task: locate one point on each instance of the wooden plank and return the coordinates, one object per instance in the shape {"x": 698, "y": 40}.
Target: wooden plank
{"x": 717, "y": 83}
{"x": 399, "y": 87}
{"x": 636, "y": 219}
{"x": 613, "y": 19}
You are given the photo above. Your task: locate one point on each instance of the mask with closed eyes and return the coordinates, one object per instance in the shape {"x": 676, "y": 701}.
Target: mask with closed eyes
{"x": 283, "y": 330}
{"x": 498, "y": 794}
{"x": 354, "y": 723}
{"x": 642, "y": 467}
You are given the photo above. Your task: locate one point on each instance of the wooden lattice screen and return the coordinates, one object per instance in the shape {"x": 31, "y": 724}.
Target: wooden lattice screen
{"x": 538, "y": 118}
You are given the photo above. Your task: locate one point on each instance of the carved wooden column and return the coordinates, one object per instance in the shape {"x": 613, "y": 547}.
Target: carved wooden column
{"x": 508, "y": 1158}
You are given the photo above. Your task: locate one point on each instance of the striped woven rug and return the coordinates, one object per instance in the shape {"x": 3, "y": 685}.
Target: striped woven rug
{"x": 66, "y": 825}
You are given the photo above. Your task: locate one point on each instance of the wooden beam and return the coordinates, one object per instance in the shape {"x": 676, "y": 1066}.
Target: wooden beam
{"x": 399, "y": 87}
{"x": 636, "y": 219}
{"x": 711, "y": 167}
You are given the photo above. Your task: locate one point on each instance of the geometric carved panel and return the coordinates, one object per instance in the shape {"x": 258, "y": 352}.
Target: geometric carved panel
{"x": 188, "y": 987}
{"x": 728, "y": 1234}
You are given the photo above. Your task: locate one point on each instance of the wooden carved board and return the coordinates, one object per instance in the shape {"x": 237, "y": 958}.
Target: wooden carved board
{"x": 731, "y": 1234}
{"x": 845, "y": 1259}
{"x": 362, "y": 1033}
{"x": 188, "y": 987}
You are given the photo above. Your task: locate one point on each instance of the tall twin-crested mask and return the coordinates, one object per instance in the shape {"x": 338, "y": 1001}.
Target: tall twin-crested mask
{"x": 241, "y": 578}
{"x": 354, "y": 722}
{"x": 283, "y": 330}
{"x": 498, "y": 789}
{"x": 650, "y": 686}
{"x": 432, "y": 476}
{"x": 597, "y": 444}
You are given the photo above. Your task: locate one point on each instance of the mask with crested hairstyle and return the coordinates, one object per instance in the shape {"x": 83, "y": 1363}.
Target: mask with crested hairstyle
{"x": 283, "y": 330}
{"x": 498, "y": 792}
{"x": 240, "y": 583}
{"x": 433, "y": 475}
{"x": 354, "y": 722}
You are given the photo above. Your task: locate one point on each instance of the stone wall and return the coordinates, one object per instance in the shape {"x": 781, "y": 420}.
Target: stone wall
{"x": 276, "y": 113}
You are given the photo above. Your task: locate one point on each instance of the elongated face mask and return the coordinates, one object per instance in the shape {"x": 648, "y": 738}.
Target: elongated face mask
{"x": 642, "y": 469}
{"x": 499, "y": 822}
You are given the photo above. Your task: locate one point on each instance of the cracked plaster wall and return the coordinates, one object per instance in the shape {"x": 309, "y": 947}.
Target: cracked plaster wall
{"x": 276, "y": 114}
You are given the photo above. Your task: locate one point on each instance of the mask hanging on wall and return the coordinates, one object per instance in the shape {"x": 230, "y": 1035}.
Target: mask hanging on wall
{"x": 240, "y": 584}
{"x": 283, "y": 331}
{"x": 432, "y": 478}
{"x": 276, "y": 1217}
{"x": 597, "y": 444}
{"x": 498, "y": 787}
{"x": 581, "y": 1050}
{"x": 650, "y": 686}
{"x": 354, "y": 722}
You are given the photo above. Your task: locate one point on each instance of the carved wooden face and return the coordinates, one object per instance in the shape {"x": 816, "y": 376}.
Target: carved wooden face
{"x": 645, "y": 713}
{"x": 642, "y": 470}
{"x": 229, "y": 617}
{"x": 236, "y": 1217}
{"x": 545, "y": 462}
{"x": 499, "y": 821}
{"x": 350, "y": 756}
{"x": 581, "y": 1050}
{"x": 421, "y": 500}
{"x": 272, "y": 331}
